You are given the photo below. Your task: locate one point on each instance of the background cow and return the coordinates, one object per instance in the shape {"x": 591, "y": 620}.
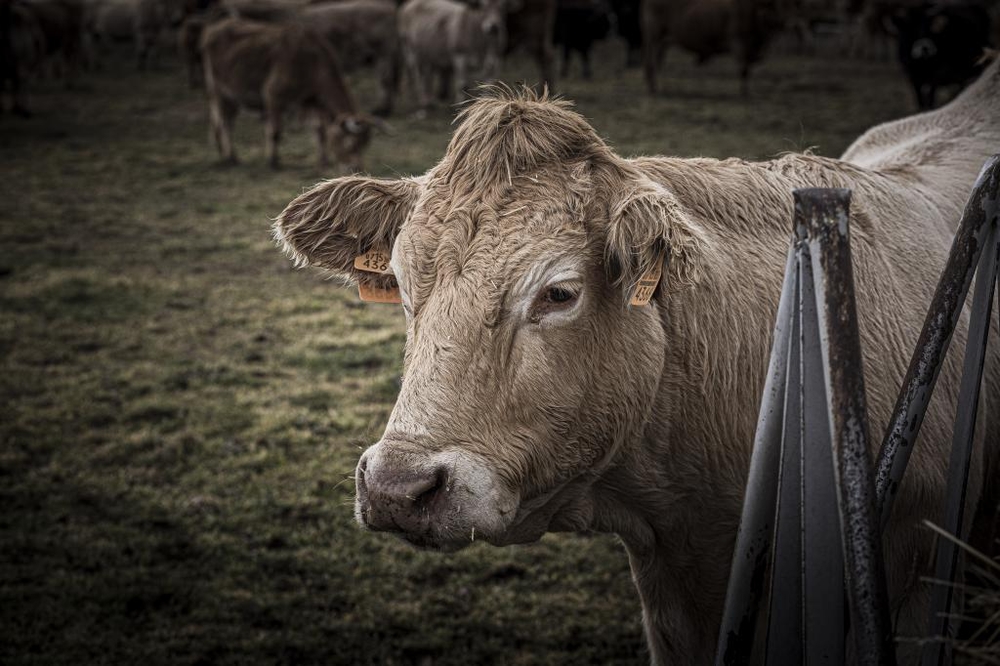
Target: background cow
{"x": 447, "y": 38}
{"x": 362, "y": 32}
{"x": 274, "y": 67}
{"x": 941, "y": 45}
{"x": 530, "y": 27}
{"x": 580, "y": 23}
{"x": 706, "y": 29}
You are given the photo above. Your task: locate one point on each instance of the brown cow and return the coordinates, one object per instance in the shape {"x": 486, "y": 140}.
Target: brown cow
{"x": 707, "y": 28}
{"x": 449, "y": 38}
{"x": 535, "y": 399}
{"x": 273, "y": 67}
{"x": 530, "y": 27}
{"x": 61, "y": 23}
{"x": 22, "y": 47}
{"x": 362, "y": 32}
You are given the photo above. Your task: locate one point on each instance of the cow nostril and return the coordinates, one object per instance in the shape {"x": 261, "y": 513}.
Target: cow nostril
{"x": 424, "y": 492}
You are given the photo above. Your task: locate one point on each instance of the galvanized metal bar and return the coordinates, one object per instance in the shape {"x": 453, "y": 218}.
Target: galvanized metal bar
{"x": 822, "y": 552}
{"x": 932, "y": 345}
{"x": 751, "y": 556}
{"x": 937, "y": 652}
{"x": 784, "y": 620}
{"x": 827, "y": 213}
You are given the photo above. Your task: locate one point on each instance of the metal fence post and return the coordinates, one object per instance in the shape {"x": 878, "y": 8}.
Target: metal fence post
{"x": 935, "y": 337}
{"x": 751, "y": 556}
{"x": 827, "y": 214}
{"x": 812, "y": 436}
{"x": 936, "y": 653}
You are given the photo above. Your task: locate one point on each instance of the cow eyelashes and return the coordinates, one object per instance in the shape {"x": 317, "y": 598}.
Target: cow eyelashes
{"x": 554, "y": 298}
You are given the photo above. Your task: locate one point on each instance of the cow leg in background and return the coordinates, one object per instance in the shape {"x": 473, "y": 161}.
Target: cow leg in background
{"x": 545, "y": 55}
{"x": 272, "y": 135}
{"x": 389, "y": 83}
{"x": 444, "y": 84}
{"x": 324, "y": 160}
{"x": 141, "y": 53}
{"x": 222, "y": 113}
{"x": 653, "y": 49}
{"x": 272, "y": 127}
{"x": 461, "y": 75}
{"x": 585, "y": 57}
{"x": 419, "y": 80}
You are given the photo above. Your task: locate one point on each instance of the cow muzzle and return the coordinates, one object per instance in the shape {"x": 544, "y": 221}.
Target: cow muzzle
{"x": 440, "y": 500}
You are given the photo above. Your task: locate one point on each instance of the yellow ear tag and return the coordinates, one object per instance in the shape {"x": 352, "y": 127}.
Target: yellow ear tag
{"x": 376, "y": 261}
{"x": 646, "y": 286}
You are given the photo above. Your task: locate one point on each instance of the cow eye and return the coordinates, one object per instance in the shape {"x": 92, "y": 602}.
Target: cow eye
{"x": 558, "y": 295}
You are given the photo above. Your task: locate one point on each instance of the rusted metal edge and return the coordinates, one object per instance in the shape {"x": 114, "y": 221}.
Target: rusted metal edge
{"x": 827, "y": 213}
{"x": 946, "y": 564}
{"x": 823, "y": 577}
{"x": 751, "y": 556}
{"x": 935, "y": 338}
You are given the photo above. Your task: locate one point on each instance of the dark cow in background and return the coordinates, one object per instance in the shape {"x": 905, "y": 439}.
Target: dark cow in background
{"x": 941, "y": 45}
{"x": 530, "y": 27}
{"x": 61, "y": 25}
{"x": 19, "y": 42}
{"x": 580, "y": 23}
{"x": 707, "y": 28}
{"x": 627, "y": 14}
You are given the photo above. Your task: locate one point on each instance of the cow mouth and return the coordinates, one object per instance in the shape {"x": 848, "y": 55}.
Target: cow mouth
{"x": 431, "y": 543}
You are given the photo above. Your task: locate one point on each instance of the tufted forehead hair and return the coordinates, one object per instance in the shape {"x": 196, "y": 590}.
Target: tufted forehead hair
{"x": 507, "y": 133}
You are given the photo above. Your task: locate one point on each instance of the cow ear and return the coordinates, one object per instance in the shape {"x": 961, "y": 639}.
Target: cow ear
{"x": 340, "y": 219}
{"x": 647, "y": 226}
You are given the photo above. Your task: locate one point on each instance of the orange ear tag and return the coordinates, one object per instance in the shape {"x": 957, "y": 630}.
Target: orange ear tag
{"x": 646, "y": 287}
{"x": 372, "y": 294}
{"x": 376, "y": 261}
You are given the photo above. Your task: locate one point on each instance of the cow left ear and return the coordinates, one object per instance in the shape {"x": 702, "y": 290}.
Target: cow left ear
{"x": 338, "y": 220}
{"x": 647, "y": 226}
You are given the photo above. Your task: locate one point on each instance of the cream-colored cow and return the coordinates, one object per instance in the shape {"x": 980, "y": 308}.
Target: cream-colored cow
{"x": 536, "y": 399}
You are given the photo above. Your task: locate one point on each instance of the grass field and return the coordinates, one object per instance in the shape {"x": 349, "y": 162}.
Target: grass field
{"x": 181, "y": 411}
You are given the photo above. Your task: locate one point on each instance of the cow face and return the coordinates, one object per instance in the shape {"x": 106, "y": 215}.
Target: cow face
{"x": 348, "y": 137}
{"x": 526, "y": 372}
{"x": 493, "y": 24}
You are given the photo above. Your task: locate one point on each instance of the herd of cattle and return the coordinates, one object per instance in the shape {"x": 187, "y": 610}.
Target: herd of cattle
{"x": 272, "y": 55}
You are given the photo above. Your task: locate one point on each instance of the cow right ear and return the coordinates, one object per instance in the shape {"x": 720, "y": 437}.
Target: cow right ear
{"x": 340, "y": 219}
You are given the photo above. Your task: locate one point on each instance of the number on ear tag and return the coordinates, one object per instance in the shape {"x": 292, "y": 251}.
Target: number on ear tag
{"x": 374, "y": 261}
{"x": 646, "y": 287}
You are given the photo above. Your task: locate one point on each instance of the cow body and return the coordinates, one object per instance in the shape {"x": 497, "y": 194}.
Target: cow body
{"x": 61, "y": 26}
{"x": 941, "y": 45}
{"x": 627, "y": 22}
{"x": 362, "y": 32}
{"x": 534, "y": 399}
{"x": 706, "y": 28}
{"x": 22, "y": 50}
{"x": 580, "y": 23}
{"x": 272, "y": 67}
{"x": 530, "y": 26}
{"x": 449, "y": 38}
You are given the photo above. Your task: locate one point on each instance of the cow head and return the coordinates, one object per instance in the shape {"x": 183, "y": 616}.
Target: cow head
{"x": 493, "y": 24}
{"x": 527, "y": 374}
{"x": 348, "y": 135}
